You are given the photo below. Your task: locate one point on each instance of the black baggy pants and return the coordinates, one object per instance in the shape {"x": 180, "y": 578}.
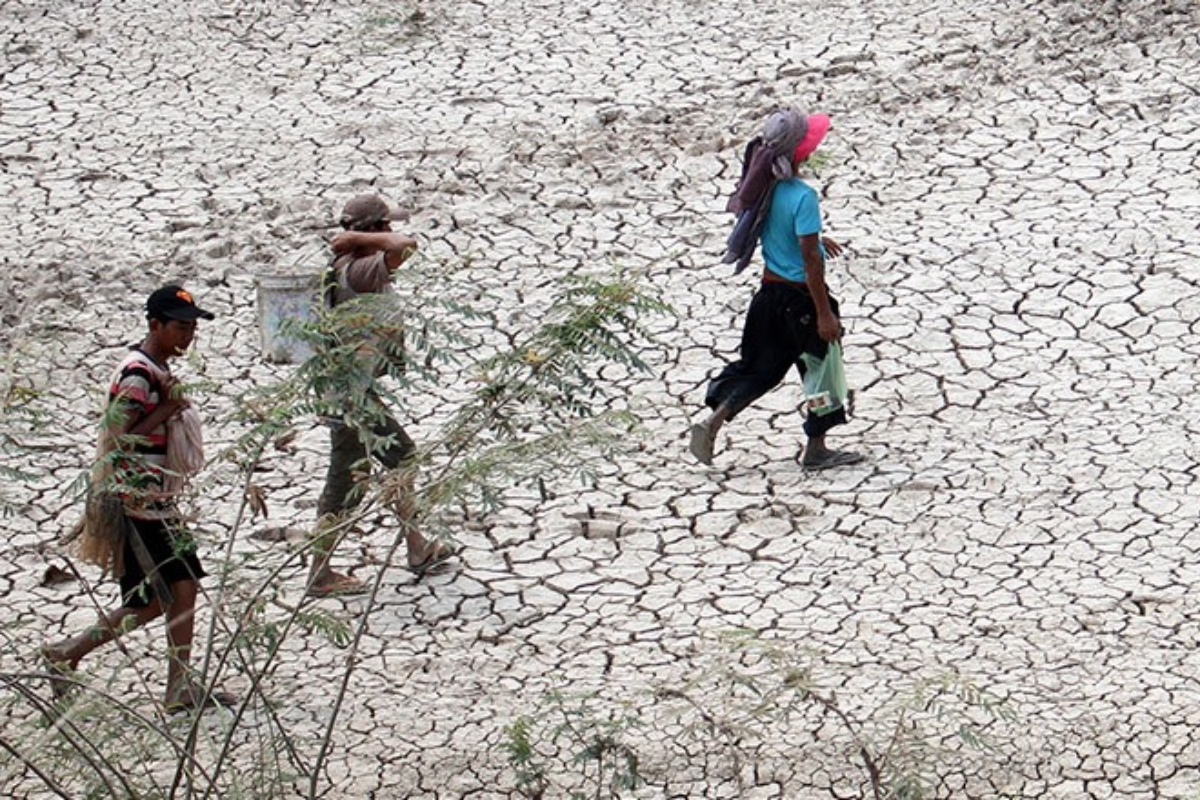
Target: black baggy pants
{"x": 780, "y": 325}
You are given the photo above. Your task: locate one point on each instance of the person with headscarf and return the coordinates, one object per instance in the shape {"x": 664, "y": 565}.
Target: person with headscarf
{"x": 793, "y": 314}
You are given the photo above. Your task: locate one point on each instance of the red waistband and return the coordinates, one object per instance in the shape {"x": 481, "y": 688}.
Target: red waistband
{"x": 771, "y": 277}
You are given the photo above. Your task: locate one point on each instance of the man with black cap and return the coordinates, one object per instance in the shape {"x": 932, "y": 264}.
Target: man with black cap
{"x": 366, "y": 253}
{"x": 155, "y": 559}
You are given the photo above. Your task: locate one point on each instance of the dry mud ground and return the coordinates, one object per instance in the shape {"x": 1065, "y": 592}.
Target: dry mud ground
{"x": 1017, "y": 183}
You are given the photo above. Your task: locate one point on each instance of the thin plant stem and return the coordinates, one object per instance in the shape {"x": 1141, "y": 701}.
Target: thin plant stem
{"x": 258, "y": 676}
{"x": 351, "y": 658}
{"x": 141, "y": 720}
{"x": 47, "y": 779}
{"x": 81, "y": 744}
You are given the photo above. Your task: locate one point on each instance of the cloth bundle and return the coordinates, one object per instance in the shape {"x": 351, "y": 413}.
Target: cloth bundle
{"x": 766, "y": 160}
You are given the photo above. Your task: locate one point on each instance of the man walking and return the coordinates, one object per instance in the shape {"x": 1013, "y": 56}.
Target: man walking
{"x": 154, "y": 555}
{"x": 367, "y": 252}
{"x": 792, "y": 313}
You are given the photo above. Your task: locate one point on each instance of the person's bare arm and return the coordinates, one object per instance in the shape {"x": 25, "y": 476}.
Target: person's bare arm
{"x": 396, "y": 247}
{"x": 832, "y": 249}
{"x": 172, "y": 402}
{"x": 828, "y": 326}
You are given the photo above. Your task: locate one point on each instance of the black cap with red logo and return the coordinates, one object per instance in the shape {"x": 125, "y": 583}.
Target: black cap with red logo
{"x": 174, "y": 302}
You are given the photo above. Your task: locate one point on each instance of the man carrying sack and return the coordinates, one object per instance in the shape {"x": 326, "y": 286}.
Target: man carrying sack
{"x": 149, "y": 446}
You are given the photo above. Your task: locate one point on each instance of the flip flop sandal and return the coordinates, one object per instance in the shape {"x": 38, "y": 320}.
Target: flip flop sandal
{"x": 439, "y": 557}
{"x": 342, "y": 586}
{"x": 197, "y": 700}
{"x": 831, "y": 459}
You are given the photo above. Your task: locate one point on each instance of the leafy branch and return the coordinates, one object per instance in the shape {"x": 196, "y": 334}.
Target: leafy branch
{"x": 896, "y": 757}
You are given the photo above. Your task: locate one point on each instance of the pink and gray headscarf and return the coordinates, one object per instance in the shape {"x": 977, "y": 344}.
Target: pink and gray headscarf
{"x": 787, "y": 137}
{"x": 782, "y": 132}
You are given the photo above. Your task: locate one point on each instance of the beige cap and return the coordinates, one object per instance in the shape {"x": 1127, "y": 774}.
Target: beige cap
{"x": 367, "y": 209}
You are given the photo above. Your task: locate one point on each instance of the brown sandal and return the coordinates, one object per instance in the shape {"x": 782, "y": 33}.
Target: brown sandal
{"x": 440, "y": 555}
{"x": 830, "y": 459}
{"x": 195, "y": 698}
{"x": 338, "y": 586}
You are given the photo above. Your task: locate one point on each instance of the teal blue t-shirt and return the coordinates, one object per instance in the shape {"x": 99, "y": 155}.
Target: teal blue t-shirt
{"x": 795, "y": 211}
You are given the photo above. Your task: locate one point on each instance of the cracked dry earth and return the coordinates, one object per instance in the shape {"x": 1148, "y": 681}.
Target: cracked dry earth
{"x": 1017, "y": 185}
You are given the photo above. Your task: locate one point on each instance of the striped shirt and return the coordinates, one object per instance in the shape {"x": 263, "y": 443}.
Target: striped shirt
{"x": 137, "y": 387}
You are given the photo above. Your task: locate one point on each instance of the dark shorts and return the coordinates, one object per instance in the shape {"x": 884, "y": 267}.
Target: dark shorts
{"x": 172, "y": 551}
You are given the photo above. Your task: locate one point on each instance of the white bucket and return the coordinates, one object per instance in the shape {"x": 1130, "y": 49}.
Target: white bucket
{"x": 282, "y": 297}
